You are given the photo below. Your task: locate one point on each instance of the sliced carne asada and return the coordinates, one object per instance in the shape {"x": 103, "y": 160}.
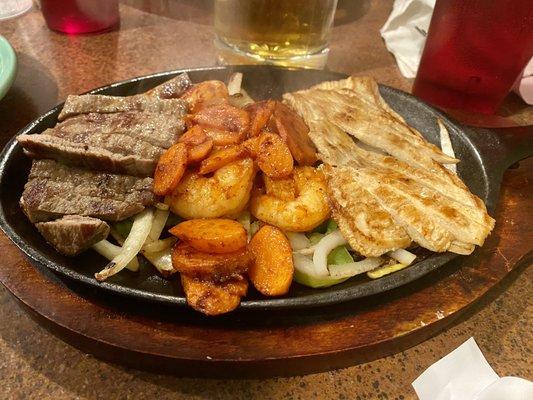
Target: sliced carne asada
{"x": 125, "y": 142}
{"x": 161, "y": 99}
{"x": 156, "y": 129}
{"x": 89, "y": 103}
{"x": 73, "y": 234}
{"x": 172, "y": 88}
{"x": 115, "y": 134}
{"x": 54, "y": 190}
{"x": 74, "y": 154}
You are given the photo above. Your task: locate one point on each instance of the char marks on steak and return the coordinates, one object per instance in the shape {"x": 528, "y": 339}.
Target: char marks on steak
{"x": 73, "y": 234}
{"x": 54, "y": 190}
{"x": 115, "y": 134}
{"x": 123, "y": 138}
{"x": 161, "y": 99}
{"x": 129, "y": 142}
{"x": 99, "y": 103}
{"x": 172, "y": 88}
{"x": 149, "y": 128}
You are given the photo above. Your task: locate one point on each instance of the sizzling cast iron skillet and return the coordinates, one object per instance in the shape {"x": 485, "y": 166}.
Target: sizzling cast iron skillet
{"x": 484, "y": 156}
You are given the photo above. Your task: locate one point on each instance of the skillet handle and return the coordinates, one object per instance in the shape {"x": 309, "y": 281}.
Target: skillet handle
{"x": 517, "y": 143}
{"x": 503, "y": 147}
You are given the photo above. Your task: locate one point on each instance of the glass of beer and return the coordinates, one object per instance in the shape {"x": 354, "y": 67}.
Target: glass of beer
{"x": 277, "y": 32}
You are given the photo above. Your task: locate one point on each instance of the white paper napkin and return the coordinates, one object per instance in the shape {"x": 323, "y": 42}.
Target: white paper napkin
{"x": 404, "y": 32}
{"x": 465, "y": 374}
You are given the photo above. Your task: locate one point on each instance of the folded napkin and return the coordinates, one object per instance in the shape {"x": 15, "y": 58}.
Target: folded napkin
{"x": 404, "y": 34}
{"x": 465, "y": 374}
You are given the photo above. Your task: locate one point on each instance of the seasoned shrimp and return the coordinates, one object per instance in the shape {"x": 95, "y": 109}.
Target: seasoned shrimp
{"x": 224, "y": 194}
{"x": 303, "y": 213}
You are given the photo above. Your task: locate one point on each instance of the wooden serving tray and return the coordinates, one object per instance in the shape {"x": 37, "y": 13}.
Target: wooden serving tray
{"x": 253, "y": 344}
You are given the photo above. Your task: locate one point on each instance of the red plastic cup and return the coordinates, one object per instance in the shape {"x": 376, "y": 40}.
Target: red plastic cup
{"x": 475, "y": 50}
{"x": 81, "y": 16}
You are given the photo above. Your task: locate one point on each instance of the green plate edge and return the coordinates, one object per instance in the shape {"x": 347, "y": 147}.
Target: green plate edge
{"x": 8, "y": 66}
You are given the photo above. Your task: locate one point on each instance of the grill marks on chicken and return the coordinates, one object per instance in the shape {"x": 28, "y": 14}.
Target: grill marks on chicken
{"x": 356, "y": 107}
{"x": 365, "y": 224}
{"x": 383, "y": 199}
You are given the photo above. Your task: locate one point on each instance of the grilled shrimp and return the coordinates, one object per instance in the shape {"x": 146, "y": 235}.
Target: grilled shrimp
{"x": 224, "y": 194}
{"x": 306, "y": 211}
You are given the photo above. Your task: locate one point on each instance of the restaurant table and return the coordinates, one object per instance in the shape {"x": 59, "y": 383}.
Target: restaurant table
{"x": 163, "y": 35}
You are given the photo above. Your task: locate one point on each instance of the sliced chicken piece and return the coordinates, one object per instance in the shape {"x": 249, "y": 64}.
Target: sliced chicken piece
{"x": 461, "y": 248}
{"x": 368, "y": 227}
{"x": 439, "y": 182}
{"x": 365, "y": 86}
{"x": 422, "y": 228}
{"x": 357, "y": 107}
{"x": 334, "y": 145}
{"x": 378, "y": 164}
{"x": 450, "y": 214}
{"x": 371, "y": 126}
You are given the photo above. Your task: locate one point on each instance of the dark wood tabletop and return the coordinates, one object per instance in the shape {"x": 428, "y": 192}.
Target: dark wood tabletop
{"x": 159, "y": 35}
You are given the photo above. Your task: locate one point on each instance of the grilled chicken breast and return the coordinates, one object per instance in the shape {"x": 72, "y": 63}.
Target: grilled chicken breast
{"x": 366, "y": 225}
{"x": 387, "y": 185}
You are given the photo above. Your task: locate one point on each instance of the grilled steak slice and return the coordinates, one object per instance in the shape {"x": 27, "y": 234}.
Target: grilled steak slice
{"x": 155, "y": 100}
{"x": 90, "y": 103}
{"x": 155, "y": 129}
{"x": 172, "y": 88}
{"x": 54, "y": 190}
{"x": 125, "y": 142}
{"x": 73, "y": 234}
{"x": 115, "y": 134}
{"x": 65, "y": 151}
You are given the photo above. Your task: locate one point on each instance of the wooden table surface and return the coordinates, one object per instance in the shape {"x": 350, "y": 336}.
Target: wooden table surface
{"x": 158, "y": 35}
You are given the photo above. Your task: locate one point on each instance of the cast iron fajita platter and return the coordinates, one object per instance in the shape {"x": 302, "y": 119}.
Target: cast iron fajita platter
{"x": 484, "y": 155}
